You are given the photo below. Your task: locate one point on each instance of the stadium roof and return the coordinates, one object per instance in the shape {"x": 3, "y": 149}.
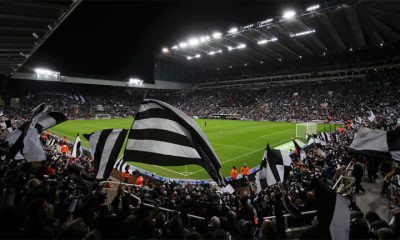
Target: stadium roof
{"x": 118, "y": 40}
{"x": 25, "y": 25}
{"x": 319, "y": 29}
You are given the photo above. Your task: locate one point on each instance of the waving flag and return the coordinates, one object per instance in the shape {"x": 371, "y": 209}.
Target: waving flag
{"x": 77, "y": 149}
{"x": 105, "y": 146}
{"x": 163, "y": 135}
{"x": 274, "y": 168}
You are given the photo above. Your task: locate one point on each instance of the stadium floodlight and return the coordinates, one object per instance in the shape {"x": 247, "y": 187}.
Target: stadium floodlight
{"x": 183, "y": 44}
{"x": 245, "y": 64}
{"x": 240, "y": 46}
{"x": 174, "y": 47}
{"x": 230, "y": 48}
{"x": 48, "y": 72}
{"x": 35, "y": 35}
{"x": 230, "y": 66}
{"x": 135, "y": 82}
{"x": 351, "y": 49}
{"x": 233, "y": 30}
{"x": 189, "y": 58}
{"x": 312, "y": 8}
{"x": 248, "y": 26}
{"x": 261, "y": 62}
{"x": 204, "y": 39}
{"x": 302, "y": 33}
{"x": 264, "y": 41}
{"x": 214, "y": 52}
{"x": 381, "y": 44}
{"x": 193, "y": 41}
{"x": 165, "y": 50}
{"x": 289, "y": 14}
{"x": 300, "y": 57}
{"x": 197, "y": 56}
{"x": 217, "y": 35}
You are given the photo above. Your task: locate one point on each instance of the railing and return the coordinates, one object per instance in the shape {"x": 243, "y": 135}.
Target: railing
{"x": 166, "y": 210}
{"x": 313, "y": 212}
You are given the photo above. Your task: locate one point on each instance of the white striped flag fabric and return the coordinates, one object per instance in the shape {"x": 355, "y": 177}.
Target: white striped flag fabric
{"x": 24, "y": 142}
{"x": 333, "y": 211}
{"x": 298, "y": 151}
{"x": 163, "y": 135}
{"x": 105, "y": 146}
{"x": 77, "y": 149}
{"x": 120, "y": 164}
{"x": 274, "y": 168}
{"x": 44, "y": 122}
{"x": 327, "y": 137}
{"x": 377, "y": 143}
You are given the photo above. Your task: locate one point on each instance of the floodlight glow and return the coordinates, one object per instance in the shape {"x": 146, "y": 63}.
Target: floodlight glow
{"x": 204, "y": 39}
{"x": 197, "y": 56}
{"x": 302, "y": 33}
{"x": 183, "y": 44}
{"x": 193, "y": 41}
{"x": 240, "y": 46}
{"x": 289, "y": 14}
{"x": 267, "y": 20}
{"x": 174, "y": 47}
{"x": 248, "y": 26}
{"x": 135, "y": 82}
{"x": 189, "y": 58}
{"x": 165, "y": 50}
{"x": 48, "y": 72}
{"x": 233, "y": 30}
{"x": 35, "y": 35}
{"x": 230, "y": 48}
{"x": 312, "y": 8}
{"x": 265, "y": 41}
{"x": 214, "y": 52}
{"x": 217, "y": 35}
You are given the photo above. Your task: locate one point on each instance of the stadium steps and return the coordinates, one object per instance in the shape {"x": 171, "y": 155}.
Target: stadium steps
{"x": 371, "y": 200}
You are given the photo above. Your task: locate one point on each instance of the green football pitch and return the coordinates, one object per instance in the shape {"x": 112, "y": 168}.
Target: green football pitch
{"x": 235, "y": 142}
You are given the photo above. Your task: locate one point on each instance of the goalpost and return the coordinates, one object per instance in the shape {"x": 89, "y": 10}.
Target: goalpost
{"x": 103, "y": 116}
{"x": 302, "y": 129}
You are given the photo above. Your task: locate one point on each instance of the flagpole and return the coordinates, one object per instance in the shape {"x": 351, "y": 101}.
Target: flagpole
{"x": 144, "y": 97}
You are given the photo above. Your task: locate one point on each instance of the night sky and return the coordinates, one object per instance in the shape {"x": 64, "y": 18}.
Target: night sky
{"x": 118, "y": 40}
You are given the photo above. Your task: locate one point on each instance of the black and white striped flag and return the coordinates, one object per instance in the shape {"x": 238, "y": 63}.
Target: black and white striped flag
{"x": 298, "y": 151}
{"x": 163, "y": 135}
{"x": 333, "y": 211}
{"x": 77, "y": 149}
{"x": 44, "y": 122}
{"x": 274, "y": 168}
{"x": 377, "y": 143}
{"x": 24, "y": 142}
{"x": 120, "y": 165}
{"x": 105, "y": 146}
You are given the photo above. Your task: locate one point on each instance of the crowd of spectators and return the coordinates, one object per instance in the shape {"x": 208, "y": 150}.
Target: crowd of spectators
{"x": 59, "y": 198}
{"x": 302, "y": 101}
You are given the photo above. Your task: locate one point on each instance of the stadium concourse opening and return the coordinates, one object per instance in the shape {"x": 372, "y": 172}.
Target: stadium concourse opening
{"x": 273, "y": 120}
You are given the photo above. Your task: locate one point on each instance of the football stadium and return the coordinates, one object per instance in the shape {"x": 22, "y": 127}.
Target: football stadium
{"x": 200, "y": 119}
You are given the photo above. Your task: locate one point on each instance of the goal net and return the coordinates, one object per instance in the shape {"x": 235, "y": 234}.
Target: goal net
{"x": 102, "y": 116}
{"x": 302, "y": 129}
